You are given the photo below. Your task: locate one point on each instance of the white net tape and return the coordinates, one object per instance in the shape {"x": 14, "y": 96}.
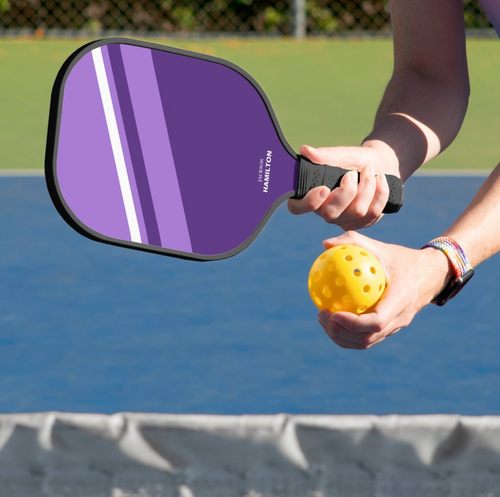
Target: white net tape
{"x": 160, "y": 455}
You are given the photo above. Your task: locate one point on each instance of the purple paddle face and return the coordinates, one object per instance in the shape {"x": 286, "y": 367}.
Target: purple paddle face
{"x": 168, "y": 151}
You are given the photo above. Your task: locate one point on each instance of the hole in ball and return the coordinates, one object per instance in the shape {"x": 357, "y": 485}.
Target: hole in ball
{"x": 366, "y": 288}
{"x": 357, "y": 272}
{"x": 327, "y": 292}
{"x": 317, "y": 299}
{"x": 317, "y": 275}
{"x": 362, "y": 308}
{"x": 373, "y": 270}
{"x": 332, "y": 266}
{"x": 323, "y": 257}
{"x": 347, "y": 298}
{"x": 348, "y": 258}
{"x": 363, "y": 252}
{"x": 340, "y": 281}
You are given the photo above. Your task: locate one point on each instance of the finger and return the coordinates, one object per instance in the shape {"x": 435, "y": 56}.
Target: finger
{"x": 341, "y": 342}
{"x": 347, "y": 238}
{"x": 352, "y": 237}
{"x": 346, "y": 345}
{"x": 380, "y": 198}
{"x": 351, "y": 157}
{"x": 361, "y": 339}
{"x": 381, "y": 195}
{"x": 340, "y": 198}
{"x": 369, "y": 323}
{"x": 311, "y": 202}
{"x": 330, "y": 321}
{"x": 355, "y": 215}
{"x": 366, "y": 191}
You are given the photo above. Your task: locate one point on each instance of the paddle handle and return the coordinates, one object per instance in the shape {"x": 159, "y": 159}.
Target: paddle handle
{"x": 313, "y": 175}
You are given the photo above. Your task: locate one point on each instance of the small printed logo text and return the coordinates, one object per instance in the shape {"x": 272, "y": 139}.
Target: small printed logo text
{"x": 266, "y": 169}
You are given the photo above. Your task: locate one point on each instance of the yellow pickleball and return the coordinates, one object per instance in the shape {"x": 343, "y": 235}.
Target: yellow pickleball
{"x": 347, "y": 278}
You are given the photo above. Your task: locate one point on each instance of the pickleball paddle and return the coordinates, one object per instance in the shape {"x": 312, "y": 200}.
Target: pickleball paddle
{"x": 169, "y": 151}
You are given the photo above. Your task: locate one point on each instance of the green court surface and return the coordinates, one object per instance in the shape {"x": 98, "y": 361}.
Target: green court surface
{"x": 325, "y": 92}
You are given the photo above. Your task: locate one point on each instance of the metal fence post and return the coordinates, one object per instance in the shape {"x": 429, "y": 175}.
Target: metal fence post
{"x": 299, "y": 18}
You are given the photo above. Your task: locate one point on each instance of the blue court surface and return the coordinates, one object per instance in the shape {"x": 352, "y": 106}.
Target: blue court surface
{"x": 90, "y": 327}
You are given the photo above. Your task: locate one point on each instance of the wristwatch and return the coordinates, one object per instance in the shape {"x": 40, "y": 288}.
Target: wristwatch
{"x": 461, "y": 266}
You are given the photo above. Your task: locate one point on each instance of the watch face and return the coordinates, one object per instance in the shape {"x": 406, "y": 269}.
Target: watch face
{"x": 453, "y": 288}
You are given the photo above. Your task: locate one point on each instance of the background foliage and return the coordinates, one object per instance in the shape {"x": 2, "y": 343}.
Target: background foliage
{"x": 206, "y": 16}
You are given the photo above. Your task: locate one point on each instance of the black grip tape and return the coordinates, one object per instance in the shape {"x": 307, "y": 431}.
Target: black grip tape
{"x": 313, "y": 175}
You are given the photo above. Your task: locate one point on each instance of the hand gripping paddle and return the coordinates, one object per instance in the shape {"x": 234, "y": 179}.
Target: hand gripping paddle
{"x": 169, "y": 151}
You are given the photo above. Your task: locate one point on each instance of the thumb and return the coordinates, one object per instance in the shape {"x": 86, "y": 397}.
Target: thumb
{"x": 317, "y": 155}
{"x": 351, "y": 157}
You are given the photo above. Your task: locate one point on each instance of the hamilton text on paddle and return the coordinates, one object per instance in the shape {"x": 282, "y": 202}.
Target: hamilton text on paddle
{"x": 265, "y": 171}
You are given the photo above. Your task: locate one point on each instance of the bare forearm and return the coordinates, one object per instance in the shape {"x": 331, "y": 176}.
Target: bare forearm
{"x": 477, "y": 229}
{"x": 419, "y": 117}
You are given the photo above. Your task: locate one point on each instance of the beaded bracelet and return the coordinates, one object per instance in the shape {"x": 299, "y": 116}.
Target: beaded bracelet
{"x": 461, "y": 266}
{"x": 454, "y": 252}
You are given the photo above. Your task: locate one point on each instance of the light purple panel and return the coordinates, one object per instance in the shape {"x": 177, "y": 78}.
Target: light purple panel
{"x": 85, "y": 165}
{"x": 155, "y": 144}
{"x": 124, "y": 143}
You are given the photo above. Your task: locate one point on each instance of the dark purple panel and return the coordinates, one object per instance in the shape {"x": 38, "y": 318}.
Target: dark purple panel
{"x": 220, "y": 133}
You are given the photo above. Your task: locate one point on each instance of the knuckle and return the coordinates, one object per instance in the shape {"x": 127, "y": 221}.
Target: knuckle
{"x": 351, "y": 234}
{"x": 359, "y": 211}
{"x": 406, "y": 321}
{"x": 374, "y": 211}
{"x": 329, "y": 214}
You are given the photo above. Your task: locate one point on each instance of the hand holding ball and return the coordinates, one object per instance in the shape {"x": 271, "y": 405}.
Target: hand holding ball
{"x": 347, "y": 278}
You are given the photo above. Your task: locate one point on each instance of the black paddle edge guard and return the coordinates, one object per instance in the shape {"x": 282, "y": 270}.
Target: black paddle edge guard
{"x": 313, "y": 175}
{"x": 55, "y": 114}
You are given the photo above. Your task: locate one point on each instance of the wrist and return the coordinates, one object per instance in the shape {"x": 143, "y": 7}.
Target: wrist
{"x": 438, "y": 272}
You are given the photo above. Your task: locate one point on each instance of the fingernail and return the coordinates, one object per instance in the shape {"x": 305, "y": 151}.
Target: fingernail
{"x": 324, "y": 192}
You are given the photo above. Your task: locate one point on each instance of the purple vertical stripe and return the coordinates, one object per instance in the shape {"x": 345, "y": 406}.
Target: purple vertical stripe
{"x": 134, "y": 145}
{"x": 85, "y": 164}
{"x": 156, "y": 150}
{"x": 124, "y": 144}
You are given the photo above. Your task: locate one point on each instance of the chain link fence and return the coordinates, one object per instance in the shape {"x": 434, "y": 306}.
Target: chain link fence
{"x": 282, "y": 17}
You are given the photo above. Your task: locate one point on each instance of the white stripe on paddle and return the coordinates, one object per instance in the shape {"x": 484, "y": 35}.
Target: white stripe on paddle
{"x": 116, "y": 145}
